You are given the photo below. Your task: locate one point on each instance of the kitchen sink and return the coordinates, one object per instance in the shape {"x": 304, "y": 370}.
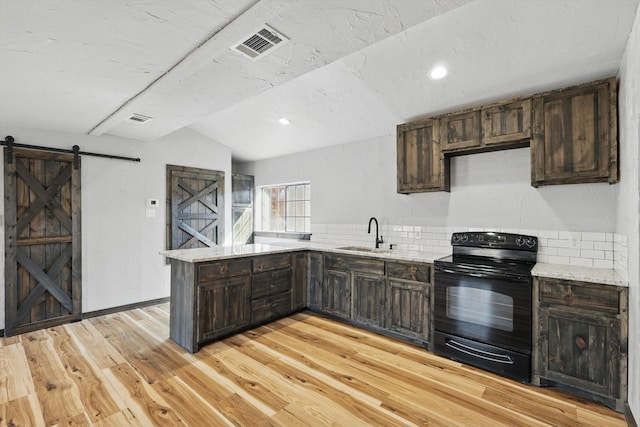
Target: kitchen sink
{"x": 365, "y": 249}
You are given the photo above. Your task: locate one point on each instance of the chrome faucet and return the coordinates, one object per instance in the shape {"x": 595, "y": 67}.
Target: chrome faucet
{"x": 378, "y": 240}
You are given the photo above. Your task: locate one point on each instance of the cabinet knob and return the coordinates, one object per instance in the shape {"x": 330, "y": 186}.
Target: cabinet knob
{"x": 260, "y": 267}
{"x": 224, "y": 269}
{"x": 580, "y": 343}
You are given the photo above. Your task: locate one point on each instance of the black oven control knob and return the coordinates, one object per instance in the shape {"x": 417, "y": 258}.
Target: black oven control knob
{"x": 530, "y": 242}
{"x": 464, "y": 238}
{"x": 520, "y": 241}
{"x": 455, "y": 238}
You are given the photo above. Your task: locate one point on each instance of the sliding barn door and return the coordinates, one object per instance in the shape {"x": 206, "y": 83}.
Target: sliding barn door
{"x": 195, "y": 207}
{"x": 42, "y": 240}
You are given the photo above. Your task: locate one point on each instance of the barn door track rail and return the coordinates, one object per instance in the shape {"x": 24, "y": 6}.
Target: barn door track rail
{"x": 10, "y": 143}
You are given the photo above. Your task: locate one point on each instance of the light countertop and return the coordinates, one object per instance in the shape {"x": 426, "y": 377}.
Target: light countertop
{"x": 606, "y": 276}
{"x": 237, "y": 251}
{"x": 556, "y": 271}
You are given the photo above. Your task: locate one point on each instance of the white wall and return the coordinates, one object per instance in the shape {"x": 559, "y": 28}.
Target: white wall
{"x": 628, "y": 204}
{"x": 352, "y": 182}
{"x": 120, "y": 245}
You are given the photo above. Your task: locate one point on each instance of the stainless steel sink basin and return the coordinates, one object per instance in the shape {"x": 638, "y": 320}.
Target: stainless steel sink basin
{"x": 364, "y": 249}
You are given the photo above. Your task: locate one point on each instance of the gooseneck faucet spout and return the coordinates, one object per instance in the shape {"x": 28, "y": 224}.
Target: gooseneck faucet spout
{"x": 378, "y": 240}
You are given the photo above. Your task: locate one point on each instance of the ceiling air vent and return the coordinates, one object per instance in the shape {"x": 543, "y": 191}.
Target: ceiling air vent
{"x": 139, "y": 118}
{"x": 261, "y": 43}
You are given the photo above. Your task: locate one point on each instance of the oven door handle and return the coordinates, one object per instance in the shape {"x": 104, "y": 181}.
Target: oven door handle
{"x": 475, "y": 352}
{"x": 481, "y": 274}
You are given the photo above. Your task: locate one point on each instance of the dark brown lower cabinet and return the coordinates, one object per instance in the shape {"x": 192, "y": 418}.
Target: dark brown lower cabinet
{"x": 223, "y": 306}
{"x": 408, "y": 309}
{"x": 581, "y": 338}
{"x": 213, "y": 299}
{"x": 337, "y": 293}
{"x": 368, "y": 299}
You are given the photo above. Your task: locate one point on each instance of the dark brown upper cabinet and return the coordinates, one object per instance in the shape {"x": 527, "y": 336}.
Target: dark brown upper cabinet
{"x": 506, "y": 123}
{"x": 575, "y": 135}
{"x": 461, "y": 130}
{"x": 421, "y": 164}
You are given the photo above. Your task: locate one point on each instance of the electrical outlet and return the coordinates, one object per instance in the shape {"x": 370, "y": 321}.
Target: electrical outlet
{"x": 574, "y": 240}
{"x": 418, "y": 234}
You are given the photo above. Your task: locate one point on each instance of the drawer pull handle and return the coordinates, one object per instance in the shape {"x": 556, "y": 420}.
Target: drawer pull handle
{"x": 224, "y": 269}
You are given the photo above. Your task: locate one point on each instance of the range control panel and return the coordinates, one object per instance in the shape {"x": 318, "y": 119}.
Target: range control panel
{"x": 489, "y": 239}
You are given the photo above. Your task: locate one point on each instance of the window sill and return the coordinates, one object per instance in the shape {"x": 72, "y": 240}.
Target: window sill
{"x": 283, "y": 235}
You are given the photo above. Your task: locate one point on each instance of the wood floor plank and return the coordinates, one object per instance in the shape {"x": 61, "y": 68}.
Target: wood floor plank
{"x": 58, "y": 396}
{"x": 94, "y": 345}
{"x": 143, "y": 401}
{"x": 122, "y": 370}
{"x": 92, "y": 388}
{"x": 23, "y": 411}
{"x": 15, "y": 378}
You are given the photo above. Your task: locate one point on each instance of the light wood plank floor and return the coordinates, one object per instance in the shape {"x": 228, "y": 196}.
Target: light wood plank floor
{"x": 121, "y": 370}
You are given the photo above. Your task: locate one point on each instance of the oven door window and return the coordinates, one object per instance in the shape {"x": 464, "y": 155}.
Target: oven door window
{"x": 480, "y": 306}
{"x": 491, "y": 309}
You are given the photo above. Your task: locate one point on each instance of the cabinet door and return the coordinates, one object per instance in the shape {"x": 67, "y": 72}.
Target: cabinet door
{"x": 223, "y": 306}
{"x": 460, "y": 130}
{"x": 368, "y": 299}
{"x": 575, "y": 137}
{"x": 506, "y": 123}
{"x": 316, "y": 280}
{"x": 420, "y": 163}
{"x": 408, "y": 308}
{"x": 337, "y": 293}
{"x": 300, "y": 279}
{"x": 581, "y": 349}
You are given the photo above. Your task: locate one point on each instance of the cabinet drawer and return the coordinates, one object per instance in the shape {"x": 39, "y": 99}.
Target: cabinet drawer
{"x": 222, "y": 269}
{"x": 341, "y": 262}
{"x": 409, "y": 271}
{"x": 580, "y": 295}
{"x": 271, "y": 282}
{"x": 264, "y": 309}
{"x": 271, "y": 262}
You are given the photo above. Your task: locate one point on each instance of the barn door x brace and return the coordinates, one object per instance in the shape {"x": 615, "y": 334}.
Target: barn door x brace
{"x": 10, "y": 143}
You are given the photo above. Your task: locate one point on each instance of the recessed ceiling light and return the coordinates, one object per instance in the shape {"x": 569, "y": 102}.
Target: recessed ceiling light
{"x": 284, "y": 121}
{"x": 438, "y": 72}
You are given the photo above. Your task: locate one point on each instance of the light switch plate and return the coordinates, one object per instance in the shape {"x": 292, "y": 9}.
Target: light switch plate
{"x": 151, "y": 213}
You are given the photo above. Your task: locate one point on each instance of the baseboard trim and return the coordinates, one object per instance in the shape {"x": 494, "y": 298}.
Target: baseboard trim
{"x": 628, "y": 416}
{"x": 120, "y": 308}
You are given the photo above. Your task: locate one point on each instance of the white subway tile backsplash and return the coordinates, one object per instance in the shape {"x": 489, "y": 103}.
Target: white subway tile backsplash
{"x": 603, "y": 246}
{"x": 582, "y": 262}
{"x": 592, "y": 254}
{"x": 542, "y": 234}
{"x": 564, "y": 260}
{"x": 596, "y": 237}
{"x": 559, "y": 243}
{"x": 584, "y": 248}
{"x": 569, "y": 252}
{"x": 587, "y": 244}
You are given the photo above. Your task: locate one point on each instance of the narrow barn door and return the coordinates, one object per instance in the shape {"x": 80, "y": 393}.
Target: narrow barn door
{"x": 195, "y": 207}
{"x": 42, "y": 240}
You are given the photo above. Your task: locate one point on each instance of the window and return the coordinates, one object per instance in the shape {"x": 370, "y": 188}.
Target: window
{"x": 286, "y": 208}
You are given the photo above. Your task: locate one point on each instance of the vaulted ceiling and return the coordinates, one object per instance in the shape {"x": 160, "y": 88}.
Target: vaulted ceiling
{"x": 351, "y": 70}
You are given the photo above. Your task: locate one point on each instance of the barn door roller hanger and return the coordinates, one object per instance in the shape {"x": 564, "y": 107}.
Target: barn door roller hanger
{"x": 9, "y": 142}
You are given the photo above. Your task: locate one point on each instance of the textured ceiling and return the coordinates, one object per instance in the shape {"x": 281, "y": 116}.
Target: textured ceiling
{"x": 353, "y": 69}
